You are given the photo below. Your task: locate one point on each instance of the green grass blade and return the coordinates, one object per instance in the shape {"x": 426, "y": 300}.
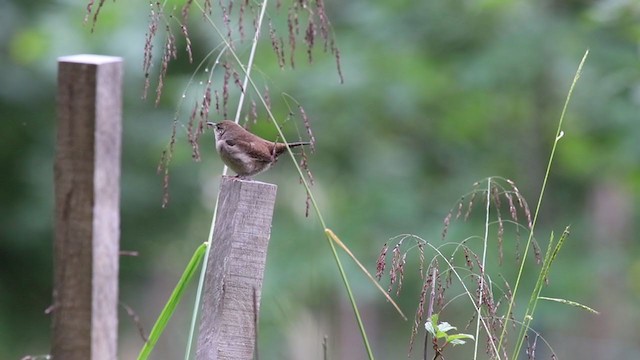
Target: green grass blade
{"x": 173, "y": 302}
{"x": 559, "y": 134}
{"x": 302, "y": 178}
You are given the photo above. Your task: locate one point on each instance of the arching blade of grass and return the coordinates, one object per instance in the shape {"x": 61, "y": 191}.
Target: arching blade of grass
{"x": 559, "y": 135}
{"x": 173, "y": 302}
{"x": 550, "y": 256}
{"x": 254, "y": 45}
{"x": 305, "y": 183}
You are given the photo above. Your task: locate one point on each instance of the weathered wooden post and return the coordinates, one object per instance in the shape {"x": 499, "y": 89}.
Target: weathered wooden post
{"x": 87, "y": 200}
{"x": 233, "y": 279}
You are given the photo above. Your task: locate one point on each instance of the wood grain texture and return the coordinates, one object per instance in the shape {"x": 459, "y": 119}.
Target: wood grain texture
{"x": 87, "y": 201}
{"x": 235, "y": 270}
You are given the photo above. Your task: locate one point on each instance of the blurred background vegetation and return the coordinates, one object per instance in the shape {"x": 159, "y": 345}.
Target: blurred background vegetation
{"x": 437, "y": 95}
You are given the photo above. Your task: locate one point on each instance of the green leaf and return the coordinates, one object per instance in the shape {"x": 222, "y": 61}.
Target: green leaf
{"x": 429, "y": 326}
{"x": 173, "y": 302}
{"x": 461, "y": 336}
{"x": 432, "y": 325}
{"x": 445, "y": 326}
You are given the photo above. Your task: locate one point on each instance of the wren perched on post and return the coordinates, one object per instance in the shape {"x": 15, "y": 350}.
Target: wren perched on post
{"x": 245, "y": 153}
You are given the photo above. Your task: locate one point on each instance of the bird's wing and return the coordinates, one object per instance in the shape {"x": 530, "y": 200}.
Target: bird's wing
{"x": 257, "y": 151}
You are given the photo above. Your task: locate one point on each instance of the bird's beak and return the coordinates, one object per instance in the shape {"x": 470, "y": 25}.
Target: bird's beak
{"x": 211, "y": 124}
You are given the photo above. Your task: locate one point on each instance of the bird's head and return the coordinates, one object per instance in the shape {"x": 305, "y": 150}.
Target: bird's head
{"x": 220, "y": 128}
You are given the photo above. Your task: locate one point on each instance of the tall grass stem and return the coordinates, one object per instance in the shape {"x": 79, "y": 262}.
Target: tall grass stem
{"x": 559, "y": 134}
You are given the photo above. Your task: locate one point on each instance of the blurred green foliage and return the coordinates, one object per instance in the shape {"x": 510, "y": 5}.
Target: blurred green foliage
{"x": 437, "y": 95}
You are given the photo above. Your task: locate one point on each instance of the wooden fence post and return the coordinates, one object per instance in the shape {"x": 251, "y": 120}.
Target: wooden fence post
{"x": 87, "y": 201}
{"x": 233, "y": 279}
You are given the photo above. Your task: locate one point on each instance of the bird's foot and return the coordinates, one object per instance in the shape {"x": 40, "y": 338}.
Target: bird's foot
{"x": 242, "y": 177}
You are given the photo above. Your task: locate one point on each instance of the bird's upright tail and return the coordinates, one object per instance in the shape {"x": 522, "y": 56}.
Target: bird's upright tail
{"x": 282, "y": 147}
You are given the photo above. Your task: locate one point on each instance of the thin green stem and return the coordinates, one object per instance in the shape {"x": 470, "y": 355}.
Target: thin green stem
{"x": 196, "y": 306}
{"x": 482, "y": 270}
{"x": 247, "y": 74}
{"x": 304, "y": 182}
{"x": 203, "y": 270}
{"x": 172, "y": 303}
{"x": 559, "y": 134}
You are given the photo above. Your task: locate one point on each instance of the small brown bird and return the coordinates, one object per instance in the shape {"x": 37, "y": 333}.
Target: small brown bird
{"x": 245, "y": 153}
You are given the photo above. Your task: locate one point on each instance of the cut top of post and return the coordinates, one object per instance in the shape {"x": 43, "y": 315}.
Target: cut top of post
{"x": 89, "y": 59}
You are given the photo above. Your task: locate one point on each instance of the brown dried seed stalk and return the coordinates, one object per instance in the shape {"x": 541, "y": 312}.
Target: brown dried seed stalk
{"x": 537, "y": 252}
{"x": 531, "y": 348}
{"x": 467, "y": 258}
{"x": 380, "y": 264}
{"x": 470, "y": 206}
{"x": 206, "y": 103}
{"x": 478, "y": 263}
{"x": 324, "y": 23}
{"x": 307, "y": 125}
{"x": 460, "y": 205}
{"x": 304, "y": 164}
{"x": 243, "y": 4}
{"x": 488, "y": 300}
{"x": 395, "y": 260}
{"x": 417, "y": 320}
{"x": 473, "y": 317}
{"x": 401, "y": 272}
{"x": 307, "y": 204}
{"x": 440, "y": 289}
{"x": 421, "y": 259}
{"x": 281, "y": 55}
{"x": 95, "y": 16}
{"x": 267, "y": 97}
{"x": 521, "y": 202}
{"x": 165, "y": 160}
{"x": 292, "y": 23}
{"x": 217, "y": 97}
{"x": 254, "y": 111}
{"x": 191, "y": 135}
{"x": 236, "y": 80}
{"x": 512, "y": 207}
{"x": 225, "y": 87}
{"x": 185, "y": 33}
{"x": 207, "y": 7}
{"x": 447, "y": 221}
{"x": 170, "y": 52}
{"x": 433, "y": 276}
{"x": 275, "y": 45}
{"x": 164, "y": 168}
{"x": 309, "y": 38}
{"x": 154, "y": 18}
{"x": 185, "y": 11}
{"x": 500, "y": 239}
{"x": 495, "y": 196}
{"x": 226, "y": 20}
